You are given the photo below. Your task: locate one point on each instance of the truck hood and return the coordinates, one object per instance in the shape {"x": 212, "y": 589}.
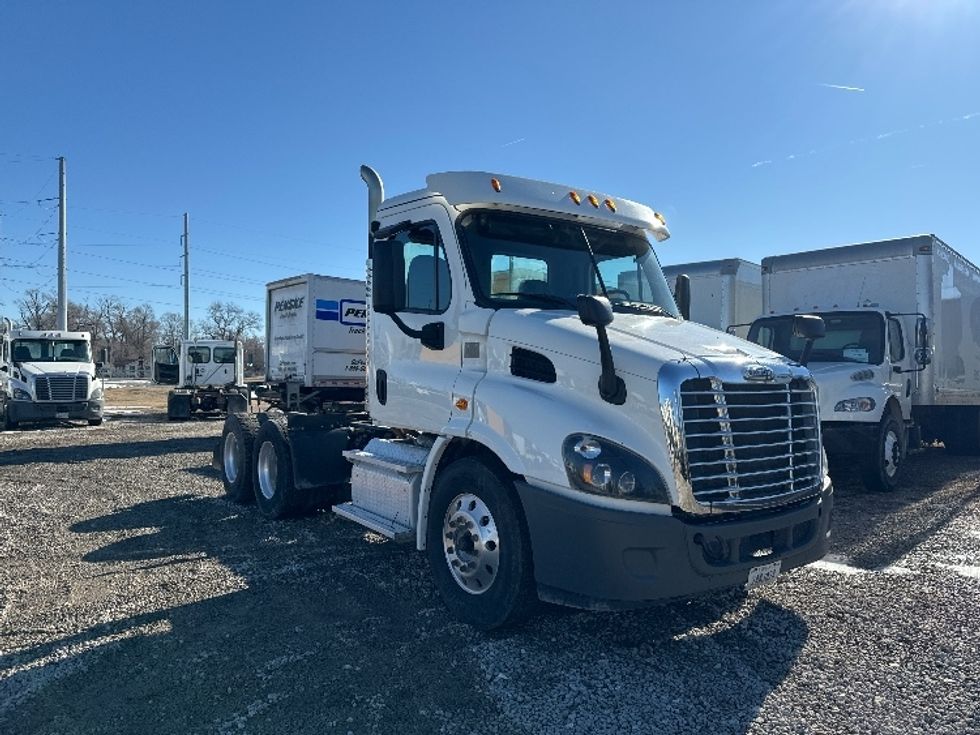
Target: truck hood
{"x": 35, "y": 369}
{"x": 640, "y": 343}
{"x": 834, "y": 383}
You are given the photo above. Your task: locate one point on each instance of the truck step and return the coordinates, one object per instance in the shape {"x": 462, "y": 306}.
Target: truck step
{"x": 387, "y": 528}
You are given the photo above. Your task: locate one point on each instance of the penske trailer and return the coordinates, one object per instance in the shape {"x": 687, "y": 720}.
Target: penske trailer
{"x": 537, "y": 418}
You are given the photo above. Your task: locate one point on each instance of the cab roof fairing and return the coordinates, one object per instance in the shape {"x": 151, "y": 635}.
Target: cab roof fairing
{"x": 59, "y": 334}
{"x": 463, "y": 189}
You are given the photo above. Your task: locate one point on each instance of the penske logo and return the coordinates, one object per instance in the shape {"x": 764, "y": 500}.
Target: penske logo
{"x": 350, "y": 312}
{"x": 289, "y": 304}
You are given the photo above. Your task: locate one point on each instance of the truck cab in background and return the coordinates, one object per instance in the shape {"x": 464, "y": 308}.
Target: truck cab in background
{"x": 47, "y": 375}
{"x": 723, "y": 292}
{"x": 210, "y": 377}
{"x": 899, "y": 360}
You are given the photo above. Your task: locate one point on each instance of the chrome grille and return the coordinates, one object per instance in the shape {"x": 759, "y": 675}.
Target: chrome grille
{"x": 749, "y": 443}
{"x": 62, "y": 387}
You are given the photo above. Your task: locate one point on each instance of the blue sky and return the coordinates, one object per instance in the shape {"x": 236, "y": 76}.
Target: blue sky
{"x": 254, "y": 117}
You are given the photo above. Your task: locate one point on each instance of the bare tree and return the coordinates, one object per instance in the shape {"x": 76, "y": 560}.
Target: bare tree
{"x": 227, "y": 320}
{"x": 37, "y": 310}
{"x": 171, "y": 328}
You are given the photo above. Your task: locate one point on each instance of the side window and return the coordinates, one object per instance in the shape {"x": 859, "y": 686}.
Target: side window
{"x": 224, "y": 355}
{"x": 896, "y": 343}
{"x": 427, "y": 282}
{"x": 513, "y": 274}
{"x": 199, "y": 355}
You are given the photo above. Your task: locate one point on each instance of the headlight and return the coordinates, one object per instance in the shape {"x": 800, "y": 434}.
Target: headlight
{"x": 21, "y": 395}
{"x": 855, "y": 404}
{"x": 96, "y": 395}
{"x": 601, "y": 467}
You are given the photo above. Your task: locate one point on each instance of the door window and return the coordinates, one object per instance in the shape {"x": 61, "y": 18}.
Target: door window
{"x": 224, "y": 355}
{"x": 896, "y": 343}
{"x": 199, "y": 355}
{"x": 427, "y": 282}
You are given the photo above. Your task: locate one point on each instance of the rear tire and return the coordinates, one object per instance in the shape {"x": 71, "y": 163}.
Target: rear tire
{"x": 478, "y": 547}
{"x": 275, "y": 492}
{"x": 237, "y": 441}
{"x": 883, "y": 472}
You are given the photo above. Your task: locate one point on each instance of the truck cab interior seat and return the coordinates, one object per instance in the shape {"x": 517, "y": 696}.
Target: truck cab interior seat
{"x": 533, "y": 285}
{"x": 22, "y": 354}
{"x": 421, "y": 283}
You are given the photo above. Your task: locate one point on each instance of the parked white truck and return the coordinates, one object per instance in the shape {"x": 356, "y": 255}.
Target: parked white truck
{"x": 540, "y": 422}
{"x": 210, "y": 377}
{"x": 47, "y": 375}
{"x": 901, "y": 355}
{"x": 723, "y": 292}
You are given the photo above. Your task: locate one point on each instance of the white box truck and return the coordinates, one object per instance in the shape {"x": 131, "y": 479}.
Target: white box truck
{"x": 723, "y": 292}
{"x": 47, "y": 375}
{"x": 901, "y": 355}
{"x": 540, "y": 421}
{"x": 209, "y": 375}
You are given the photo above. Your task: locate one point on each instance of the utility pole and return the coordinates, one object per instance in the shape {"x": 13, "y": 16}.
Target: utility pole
{"x": 62, "y": 247}
{"x": 187, "y": 285}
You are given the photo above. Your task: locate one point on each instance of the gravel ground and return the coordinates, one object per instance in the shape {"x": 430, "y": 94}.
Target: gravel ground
{"x": 133, "y": 598}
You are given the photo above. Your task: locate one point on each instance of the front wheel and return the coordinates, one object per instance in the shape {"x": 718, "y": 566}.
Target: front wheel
{"x": 8, "y": 423}
{"x": 883, "y": 471}
{"x": 478, "y": 547}
{"x": 95, "y": 422}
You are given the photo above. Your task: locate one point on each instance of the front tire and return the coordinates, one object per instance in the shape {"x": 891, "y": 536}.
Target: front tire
{"x": 95, "y": 422}
{"x": 8, "y": 423}
{"x": 275, "y": 491}
{"x": 883, "y": 471}
{"x": 478, "y": 546}
{"x": 237, "y": 441}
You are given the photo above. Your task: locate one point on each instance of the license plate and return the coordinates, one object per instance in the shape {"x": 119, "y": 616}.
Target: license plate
{"x": 61, "y": 415}
{"x": 766, "y": 574}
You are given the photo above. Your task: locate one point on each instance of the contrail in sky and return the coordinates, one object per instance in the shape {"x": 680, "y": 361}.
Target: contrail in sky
{"x": 513, "y": 142}
{"x": 841, "y": 86}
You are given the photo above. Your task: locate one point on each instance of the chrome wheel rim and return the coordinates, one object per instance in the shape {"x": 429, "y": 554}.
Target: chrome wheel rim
{"x": 232, "y": 457}
{"x": 471, "y": 543}
{"x": 893, "y": 452}
{"x": 268, "y": 470}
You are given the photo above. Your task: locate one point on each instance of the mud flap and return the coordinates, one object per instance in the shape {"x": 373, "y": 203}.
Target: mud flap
{"x": 317, "y": 443}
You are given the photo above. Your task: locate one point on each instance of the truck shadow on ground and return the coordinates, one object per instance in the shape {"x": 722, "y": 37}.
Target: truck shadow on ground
{"x": 875, "y": 530}
{"x": 239, "y": 624}
{"x": 117, "y": 450}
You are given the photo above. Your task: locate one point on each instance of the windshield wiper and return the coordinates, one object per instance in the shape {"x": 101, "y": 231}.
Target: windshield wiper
{"x": 546, "y": 297}
{"x": 641, "y": 307}
{"x": 595, "y": 264}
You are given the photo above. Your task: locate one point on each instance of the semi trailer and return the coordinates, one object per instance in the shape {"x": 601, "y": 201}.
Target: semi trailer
{"x": 723, "y": 292}
{"x": 540, "y": 421}
{"x": 900, "y": 361}
{"x": 209, "y": 375}
{"x": 47, "y": 375}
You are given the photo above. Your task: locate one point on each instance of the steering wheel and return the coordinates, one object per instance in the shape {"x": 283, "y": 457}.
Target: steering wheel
{"x": 624, "y": 292}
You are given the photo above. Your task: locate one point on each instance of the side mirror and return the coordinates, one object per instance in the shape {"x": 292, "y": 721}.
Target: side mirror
{"x": 434, "y": 335}
{"x": 923, "y": 356}
{"x": 387, "y": 279}
{"x": 4, "y": 369}
{"x": 810, "y": 328}
{"x": 682, "y": 295}
{"x": 594, "y": 311}
{"x": 99, "y": 366}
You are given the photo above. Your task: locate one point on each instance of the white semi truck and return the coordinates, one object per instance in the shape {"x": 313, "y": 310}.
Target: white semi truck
{"x": 209, "y": 375}
{"x": 901, "y": 357}
{"x": 723, "y": 292}
{"x": 539, "y": 419}
{"x": 47, "y": 375}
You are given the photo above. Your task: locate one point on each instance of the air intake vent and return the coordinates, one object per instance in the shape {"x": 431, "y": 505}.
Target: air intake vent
{"x": 532, "y": 365}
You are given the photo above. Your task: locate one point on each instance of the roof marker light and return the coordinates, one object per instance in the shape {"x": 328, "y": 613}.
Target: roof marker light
{"x": 610, "y": 205}
{"x": 573, "y": 195}
{"x": 594, "y": 200}
{"x": 495, "y": 183}
{"x": 660, "y": 218}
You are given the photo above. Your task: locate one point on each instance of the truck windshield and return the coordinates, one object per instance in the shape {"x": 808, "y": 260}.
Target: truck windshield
{"x": 856, "y": 336}
{"x": 50, "y": 350}
{"x": 521, "y": 260}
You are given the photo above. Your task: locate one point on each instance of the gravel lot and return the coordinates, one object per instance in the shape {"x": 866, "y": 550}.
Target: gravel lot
{"x": 133, "y": 598}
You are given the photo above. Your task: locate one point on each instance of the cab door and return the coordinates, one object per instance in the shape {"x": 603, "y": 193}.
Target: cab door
{"x": 901, "y": 382}
{"x": 414, "y": 346}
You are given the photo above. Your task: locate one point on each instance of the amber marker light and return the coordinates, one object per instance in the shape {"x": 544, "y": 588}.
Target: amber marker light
{"x": 461, "y": 403}
{"x": 610, "y": 205}
{"x": 495, "y": 183}
{"x": 573, "y": 195}
{"x": 660, "y": 218}
{"x": 594, "y": 200}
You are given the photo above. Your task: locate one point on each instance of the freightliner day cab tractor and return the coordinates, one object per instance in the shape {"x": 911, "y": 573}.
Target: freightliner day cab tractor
{"x": 209, "y": 375}
{"x": 900, "y": 360}
{"x": 47, "y": 375}
{"x": 541, "y": 422}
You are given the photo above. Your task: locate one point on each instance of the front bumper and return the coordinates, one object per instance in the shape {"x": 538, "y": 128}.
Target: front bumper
{"x": 602, "y": 558}
{"x": 29, "y": 411}
{"x": 849, "y": 437}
